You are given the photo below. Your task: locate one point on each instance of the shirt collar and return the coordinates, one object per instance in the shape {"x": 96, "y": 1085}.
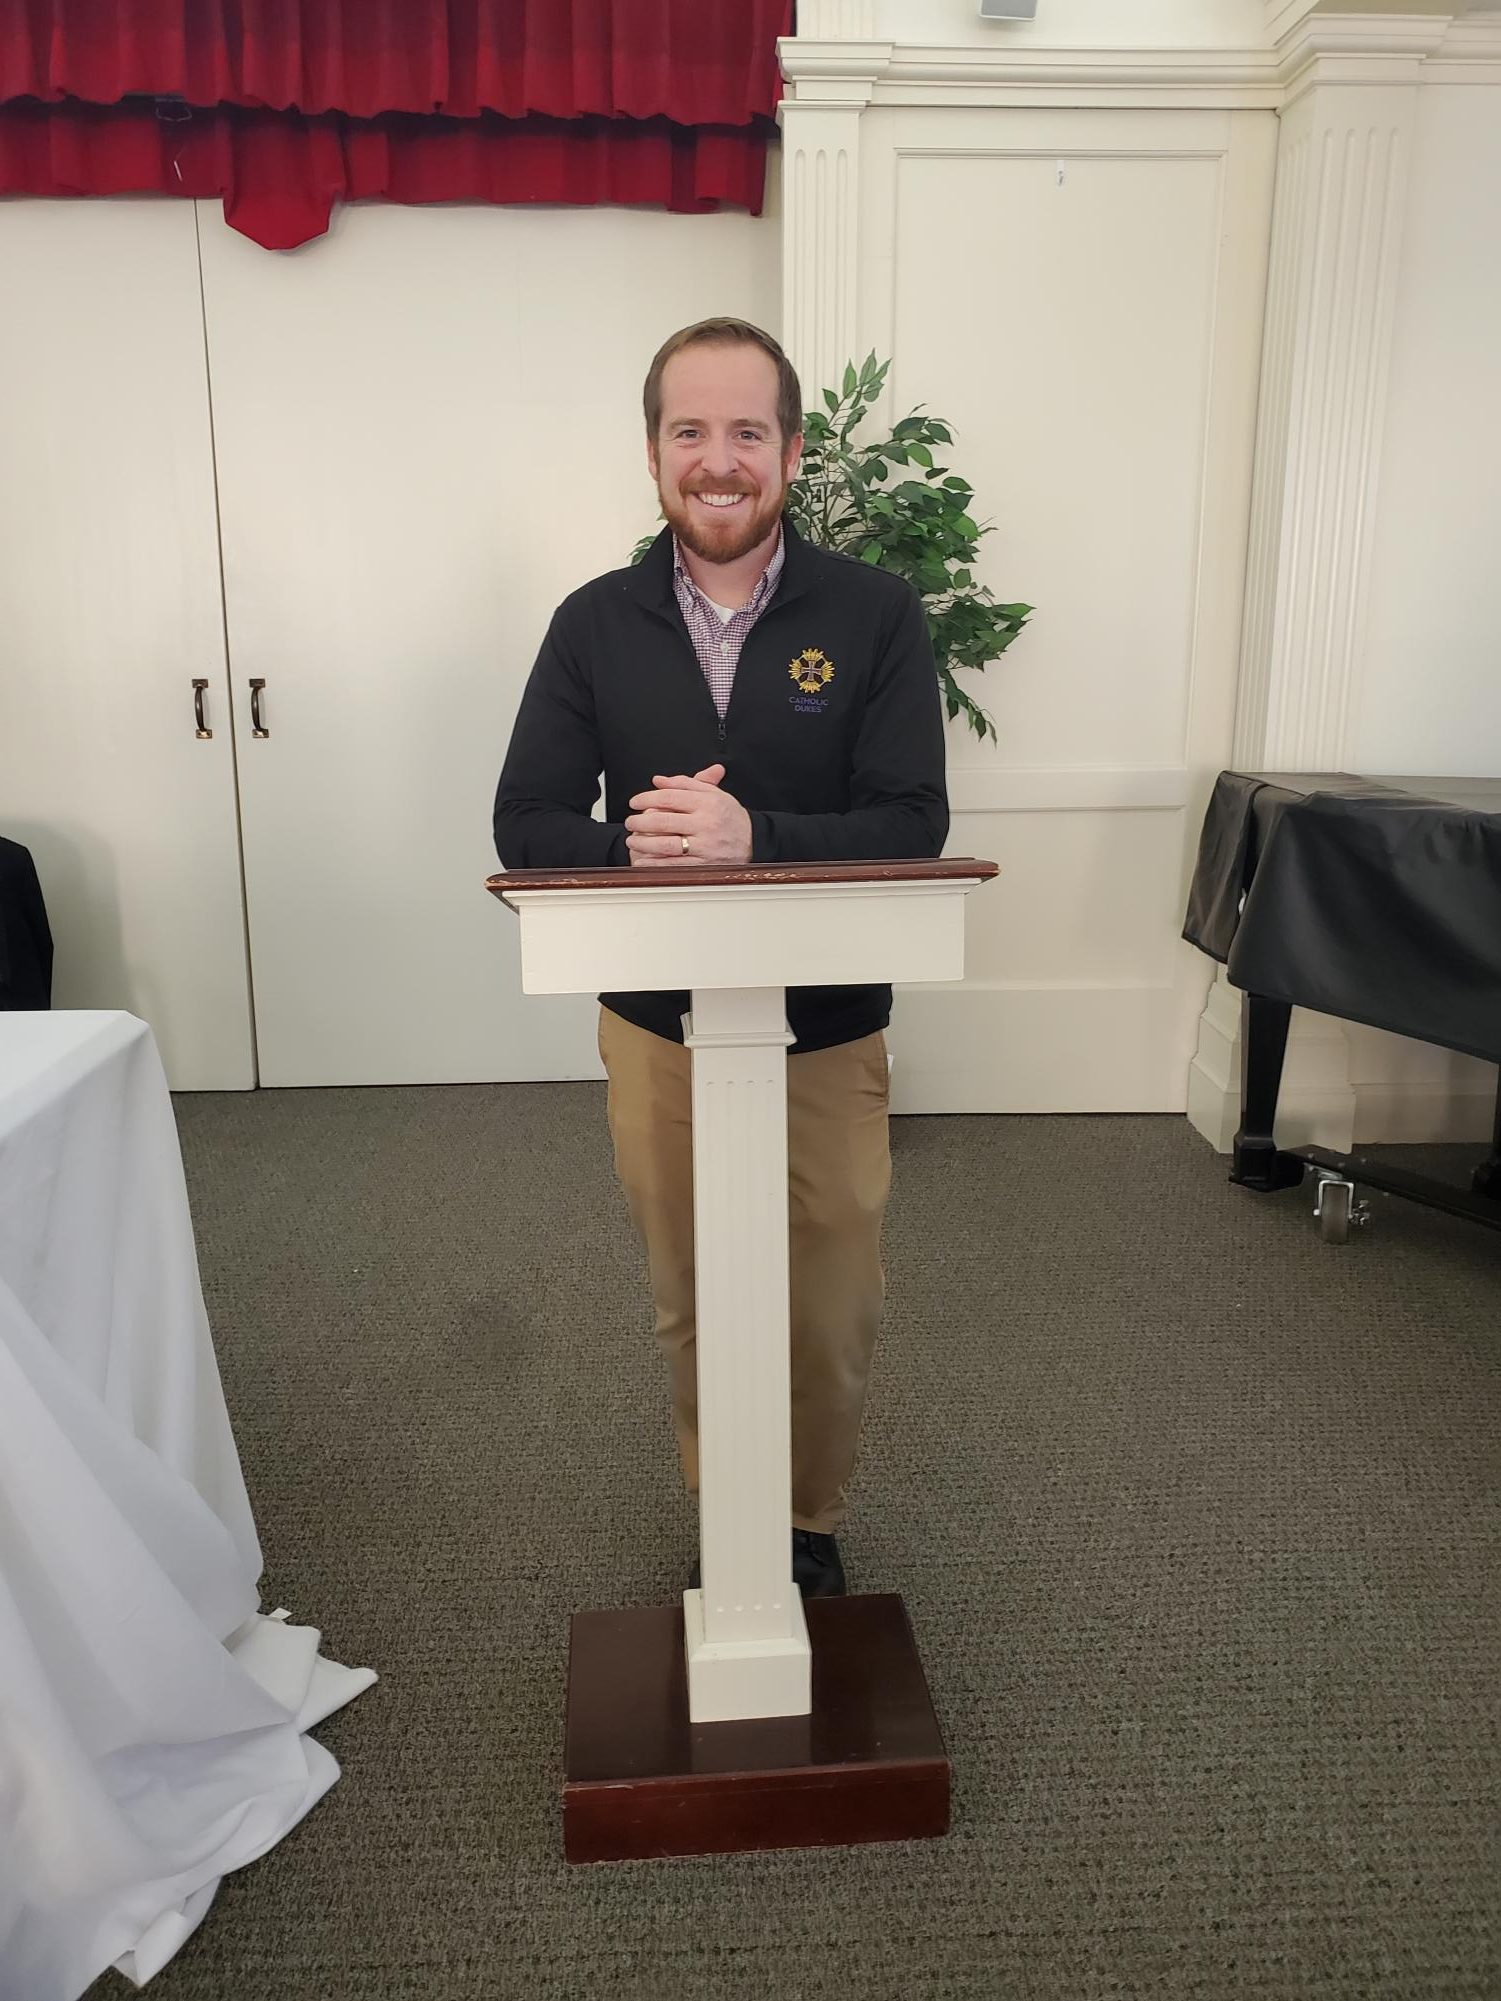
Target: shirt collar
{"x": 765, "y": 584}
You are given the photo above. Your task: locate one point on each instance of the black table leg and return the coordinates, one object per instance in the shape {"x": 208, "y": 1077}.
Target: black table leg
{"x": 1486, "y": 1180}
{"x": 1263, "y": 1044}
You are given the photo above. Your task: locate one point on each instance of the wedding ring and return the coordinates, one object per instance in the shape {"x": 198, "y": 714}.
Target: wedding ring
{"x": 684, "y": 839}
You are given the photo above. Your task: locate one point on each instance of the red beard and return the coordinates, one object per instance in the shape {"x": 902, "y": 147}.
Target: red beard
{"x": 725, "y": 542}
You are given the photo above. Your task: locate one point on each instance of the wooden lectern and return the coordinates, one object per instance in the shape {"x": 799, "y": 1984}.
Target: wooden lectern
{"x": 738, "y": 1720}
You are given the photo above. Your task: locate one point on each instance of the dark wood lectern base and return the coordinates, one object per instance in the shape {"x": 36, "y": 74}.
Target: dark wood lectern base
{"x": 640, "y": 1780}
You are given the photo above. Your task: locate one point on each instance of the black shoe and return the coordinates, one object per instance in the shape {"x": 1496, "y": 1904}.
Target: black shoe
{"x": 816, "y": 1568}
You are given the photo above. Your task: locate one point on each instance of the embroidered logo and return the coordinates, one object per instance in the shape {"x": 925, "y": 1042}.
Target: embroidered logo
{"x": 812, "y": 671}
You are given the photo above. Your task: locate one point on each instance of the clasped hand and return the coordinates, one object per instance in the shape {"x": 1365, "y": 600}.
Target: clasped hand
{"x": 716, "y": 827}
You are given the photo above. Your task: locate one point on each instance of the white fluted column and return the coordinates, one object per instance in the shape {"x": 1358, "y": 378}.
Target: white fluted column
{"x": 829, "y": 66}
{"x": 1343, "y": 150}
{"x": 820, "y": 239}
{"x": 836, "y": 20}
{"x": 1331, "y": 297}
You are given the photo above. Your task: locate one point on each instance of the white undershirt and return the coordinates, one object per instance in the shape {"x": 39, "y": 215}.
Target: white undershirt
{"x": 726, "y": 612}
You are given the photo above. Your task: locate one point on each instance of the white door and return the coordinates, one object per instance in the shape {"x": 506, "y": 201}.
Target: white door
{"x": 428, "y": 431}
{"x": 110, "y": 610}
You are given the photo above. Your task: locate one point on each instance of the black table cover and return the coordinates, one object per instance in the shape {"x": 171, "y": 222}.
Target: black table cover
{"x": 1374, "y": 899}
{"x": 25, "y": 938}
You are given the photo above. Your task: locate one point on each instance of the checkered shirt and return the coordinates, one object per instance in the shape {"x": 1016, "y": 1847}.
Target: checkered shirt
{"x": 716, "y": 643}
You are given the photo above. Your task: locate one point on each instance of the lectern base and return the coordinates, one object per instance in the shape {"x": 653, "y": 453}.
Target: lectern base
{"x": 640, "y": 1780}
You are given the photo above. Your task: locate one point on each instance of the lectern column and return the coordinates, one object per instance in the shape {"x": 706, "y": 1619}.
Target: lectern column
{"x": 747, "y": 1641}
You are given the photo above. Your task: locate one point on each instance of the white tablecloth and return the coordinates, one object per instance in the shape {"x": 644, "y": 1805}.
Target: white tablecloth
{"x": 152, "y": 1723}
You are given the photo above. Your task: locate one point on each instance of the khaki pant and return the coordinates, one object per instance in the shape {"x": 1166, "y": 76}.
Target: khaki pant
{"x": 839, "y": 1175}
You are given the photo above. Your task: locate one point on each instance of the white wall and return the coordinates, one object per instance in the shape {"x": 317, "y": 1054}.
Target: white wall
{"x": 1106, "y": 24}
{"x": 1429, "y": 699}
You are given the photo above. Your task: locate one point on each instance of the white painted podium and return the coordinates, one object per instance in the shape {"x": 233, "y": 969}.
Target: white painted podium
{"x": 735, "y": 939}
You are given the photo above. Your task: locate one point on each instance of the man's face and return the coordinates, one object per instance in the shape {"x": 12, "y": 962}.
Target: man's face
{"x": 719, "y": 460}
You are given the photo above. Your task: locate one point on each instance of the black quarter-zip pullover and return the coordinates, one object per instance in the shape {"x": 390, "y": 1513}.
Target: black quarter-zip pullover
{"x": 832, "y": 741}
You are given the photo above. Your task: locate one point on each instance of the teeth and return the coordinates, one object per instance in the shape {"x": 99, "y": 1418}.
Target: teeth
{"x": 719, "y": 499}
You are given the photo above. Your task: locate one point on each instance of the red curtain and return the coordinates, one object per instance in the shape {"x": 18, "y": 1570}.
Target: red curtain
{"x": 283, "y": 107}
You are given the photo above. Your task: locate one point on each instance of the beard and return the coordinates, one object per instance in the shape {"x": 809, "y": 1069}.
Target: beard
{"x": 723, "y": 541}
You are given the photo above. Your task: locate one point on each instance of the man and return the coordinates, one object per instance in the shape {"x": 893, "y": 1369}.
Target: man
{"x": 748, "y": 697}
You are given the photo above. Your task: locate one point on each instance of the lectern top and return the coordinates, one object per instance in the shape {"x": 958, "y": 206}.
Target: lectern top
{"x": 759, "y": 875}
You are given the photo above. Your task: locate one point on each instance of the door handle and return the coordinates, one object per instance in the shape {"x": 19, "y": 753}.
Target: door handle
{"x": 201, "y": 728}
{"x": 257, "y": 721}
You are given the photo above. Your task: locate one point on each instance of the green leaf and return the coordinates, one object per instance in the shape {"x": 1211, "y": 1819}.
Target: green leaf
{"x": 851, "y": 380}
{"x": 922, "y": 455}
{"x": 1015, "y": 610}
{"x": 832, "y": 400}
{"x": 871, "y": 553}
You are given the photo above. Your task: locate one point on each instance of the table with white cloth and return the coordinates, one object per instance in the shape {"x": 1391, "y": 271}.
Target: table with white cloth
{"x": 152, "y": 1722}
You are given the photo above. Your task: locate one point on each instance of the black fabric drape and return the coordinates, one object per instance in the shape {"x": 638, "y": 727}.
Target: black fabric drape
{"x": 25, "y": 936}
{"x": 1376, "y": 900}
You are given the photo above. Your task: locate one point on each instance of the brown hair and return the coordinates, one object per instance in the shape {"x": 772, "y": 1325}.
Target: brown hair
{"x": 725, "y": 333}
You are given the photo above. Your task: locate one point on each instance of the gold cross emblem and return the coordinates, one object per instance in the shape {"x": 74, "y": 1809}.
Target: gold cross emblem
{"x": 812, "y": 670}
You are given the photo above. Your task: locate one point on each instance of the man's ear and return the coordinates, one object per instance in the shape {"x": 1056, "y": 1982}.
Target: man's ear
{"x": 792, "y": 456}
{"x": 653, "y": 464}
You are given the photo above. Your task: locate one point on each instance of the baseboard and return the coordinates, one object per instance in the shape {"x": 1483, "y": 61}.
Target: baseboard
{"x": 1410, "y": 1114}
{"x": 1040, "y": 1049}
{"x": 1321, "y": 1104}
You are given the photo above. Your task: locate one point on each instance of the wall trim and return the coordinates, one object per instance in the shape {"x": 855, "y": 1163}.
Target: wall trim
{"x": 836, "y": 60}
{"x": 1469, "y": 53}
{"x": 900, "y": 73}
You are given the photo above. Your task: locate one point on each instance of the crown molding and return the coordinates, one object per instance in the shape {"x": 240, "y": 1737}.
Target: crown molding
{"x": 1476, "y": 35}
{"x": 1365, "y": 47}
{"x": 1358, "y": 49}
{"x": 1469, "y": 53}
{"x": 833, "y": 72}
{"x": 897, "y": 73}
{"x": 1282, "y": 16}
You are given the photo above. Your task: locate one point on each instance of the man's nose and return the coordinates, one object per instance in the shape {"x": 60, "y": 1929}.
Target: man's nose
{"x": 719, "y": 457}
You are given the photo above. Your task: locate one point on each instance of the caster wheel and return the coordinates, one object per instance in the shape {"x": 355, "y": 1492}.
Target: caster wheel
{"x": 1335, "y": 1213}
{"x": 1336, "y": 1210}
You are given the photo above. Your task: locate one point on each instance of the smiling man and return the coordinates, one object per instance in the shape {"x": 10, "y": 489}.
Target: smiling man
{"x": 747, "y": 697}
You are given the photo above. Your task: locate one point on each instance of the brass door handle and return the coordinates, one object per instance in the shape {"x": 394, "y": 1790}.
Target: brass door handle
{"x": 201, "y": 728}
{"x": 257, "y": 721}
